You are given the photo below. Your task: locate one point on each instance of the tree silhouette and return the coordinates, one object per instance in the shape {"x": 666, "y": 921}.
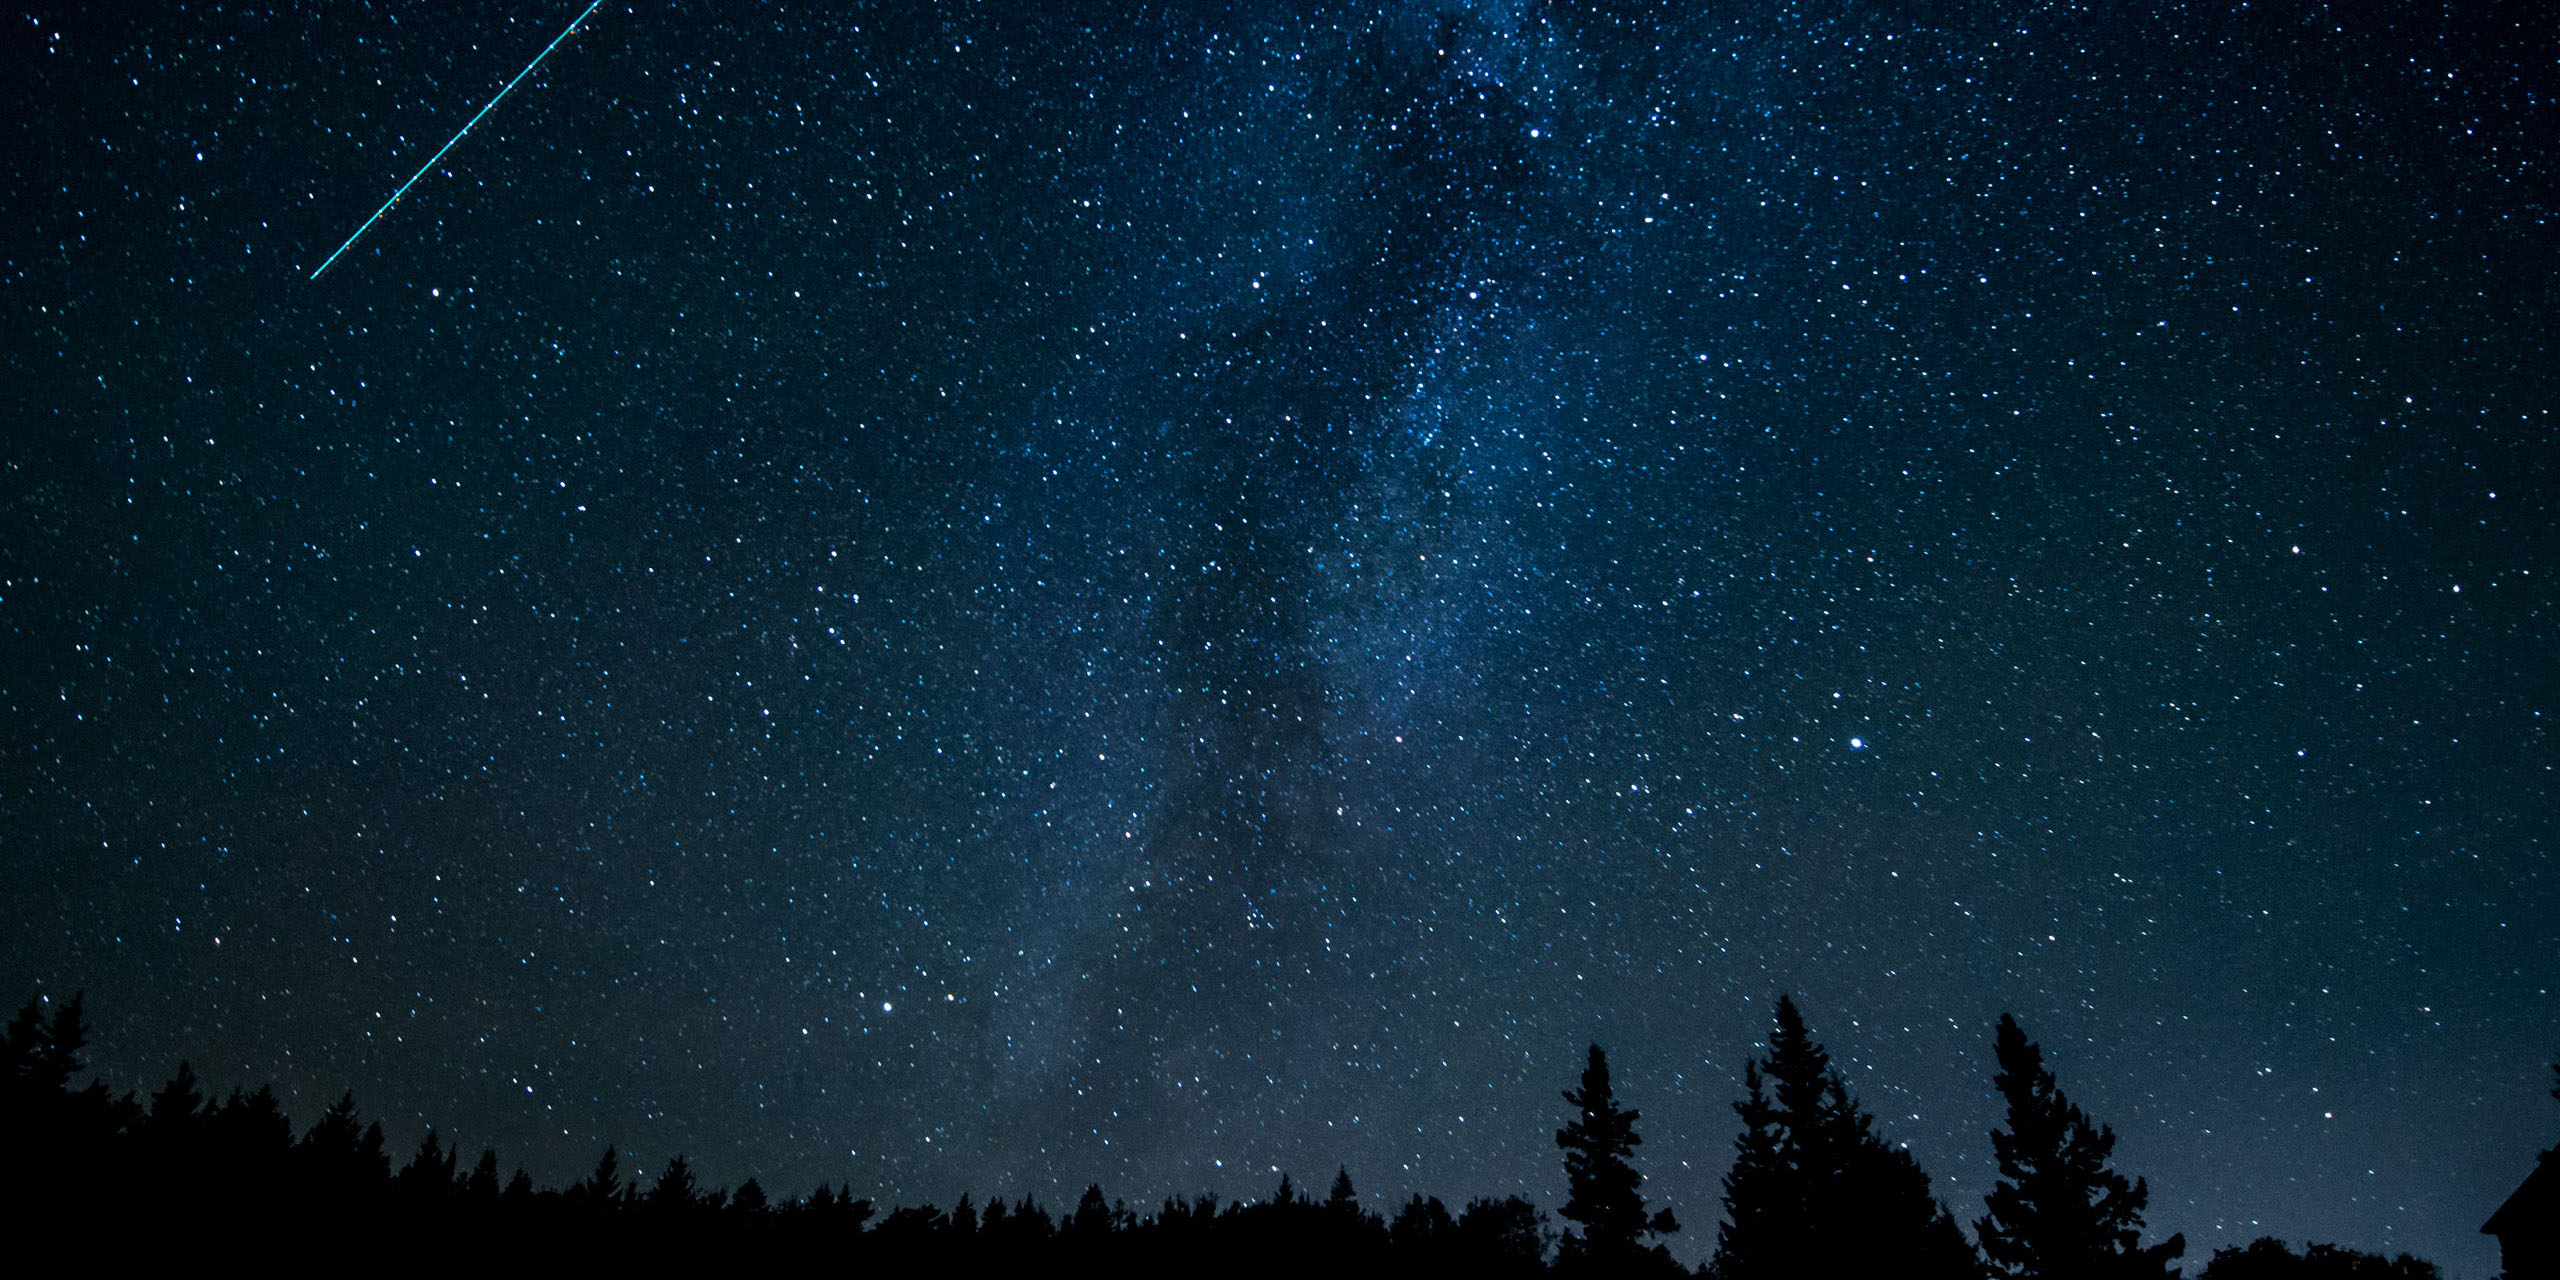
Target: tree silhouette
{"x": 1759, "y": 1236}
{"x": 340, "y": 1160}
{"x": 1423, "y": 1228}
{"x": 747, "y": 1204}
{"x": 1342, "y": 1199}
{"x": 676, "y": 1194}
{"x": 2058, "y": 1211}
{"x": 603, "y": 1190}
{"x": 1814, "y": 1191}
{"x": 1022, "y": 1227}
{"x": 1092, "y": 1217}
{"x": 60, "y": 1142}
{"x": 42, "y": 1050}
{"x": 480, "y": 1186}
{"x": 428, "y": 1179}
{"x": 20, "y": 1043}
{"x": 251, "y": 1144}
{"x": 176, "y": 1113}
{"x": 2268, "y": 1259}
{"x": 1502, "y": 1237}
{"x": 330, "y": 1144}
{"x": 1603, "y": 1190}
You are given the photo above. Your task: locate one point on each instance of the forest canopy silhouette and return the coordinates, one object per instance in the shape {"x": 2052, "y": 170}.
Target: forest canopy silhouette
{"x": 1814, "y": 1190}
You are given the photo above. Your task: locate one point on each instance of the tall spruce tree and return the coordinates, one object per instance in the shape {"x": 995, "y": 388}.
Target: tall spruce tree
{"x": 2058, "y": 1212}
{"x": 1603, "y": 1190}
{"x": 1760, "y": 1232}
{"x": 481, "y": 1186}
{"x": 677, "y": 1193}
{"x": 1814, "y": 1191}
{"x": 1343, "y": 1199}
{"x": 427, "y": 1181}
{"x": 603, "y": 1191}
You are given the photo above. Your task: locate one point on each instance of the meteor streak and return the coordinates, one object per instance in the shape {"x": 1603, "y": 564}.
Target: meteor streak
{"x": 565, "y": 33}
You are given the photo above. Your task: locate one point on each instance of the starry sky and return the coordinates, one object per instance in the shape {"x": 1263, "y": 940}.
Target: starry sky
{"x": 993, "y": 596}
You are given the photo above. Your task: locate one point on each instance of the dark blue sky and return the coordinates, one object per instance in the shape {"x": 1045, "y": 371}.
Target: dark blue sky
{"x": 946, "y": 597}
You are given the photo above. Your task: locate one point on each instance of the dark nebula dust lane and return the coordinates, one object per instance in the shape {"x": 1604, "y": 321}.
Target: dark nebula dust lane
{"x": 947, "y": 598}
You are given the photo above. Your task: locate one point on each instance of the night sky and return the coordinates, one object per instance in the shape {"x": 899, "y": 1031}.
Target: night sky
{"x": 949, "y": 597}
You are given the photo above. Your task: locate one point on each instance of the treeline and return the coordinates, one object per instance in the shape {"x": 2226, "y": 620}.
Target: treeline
{"x": 1814, "y": 1190}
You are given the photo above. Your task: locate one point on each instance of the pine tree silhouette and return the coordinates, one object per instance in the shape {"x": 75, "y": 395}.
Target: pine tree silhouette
{"x": 1814, "y": 1191}
{"x": 1759, "y": 1236}
{"x": 2058, "y": 1212}
{"x": 1603, "y": 1190}
{"x": 603, "y": 1190}
{"x": 1092, "y": 1216}
{"x": 41, "y": 1050}
{"x": 676, "y": 1195}
{"x": 250, "y": 1143}
{"x": 1022, "y": 1227}
{"x": 330, "y": 1144}
{"x": 1342, "y": 1199}
{"x": 427, "y": 1182}
{"x": 480, "y": 1187}
{"x": 59, "y": 1141}
{"x": 339, "y": 1164}
{"x": 176, "y": 1114}
{"x": 19, "y": 1044}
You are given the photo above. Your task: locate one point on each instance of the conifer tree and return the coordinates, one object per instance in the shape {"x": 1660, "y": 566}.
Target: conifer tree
{"x": 676, "y": 1194}
{"x": 481, "y": 1185}
{"x": 2058, "y": 1212}
{"x": 20, "y": 1042}
{"x": 333, "y": 1160}
{"x": 428, "y": 1178}
{"x": 1342, "y": 1199}
{"x": 253, "y": 1132}
{"x": 1603, "y": 1190}
{"x": 1092, "y": 1217}
{"x": 373, "y": 1159}
{"x": 1757, "y": 1234}
{"x": 1814, "y": 1191}
{"x": 332, "y": 1139}
{"x": 176, "y": 1114}
{"x": 42, "y": 1051}
{"x": 603, "y": 1189}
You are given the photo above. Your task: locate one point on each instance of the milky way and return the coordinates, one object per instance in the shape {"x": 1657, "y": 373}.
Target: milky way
{"x": 955, "y": 598}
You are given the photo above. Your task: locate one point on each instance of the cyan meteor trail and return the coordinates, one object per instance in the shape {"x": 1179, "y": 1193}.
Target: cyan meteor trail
{"x": 565, "y": 33}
